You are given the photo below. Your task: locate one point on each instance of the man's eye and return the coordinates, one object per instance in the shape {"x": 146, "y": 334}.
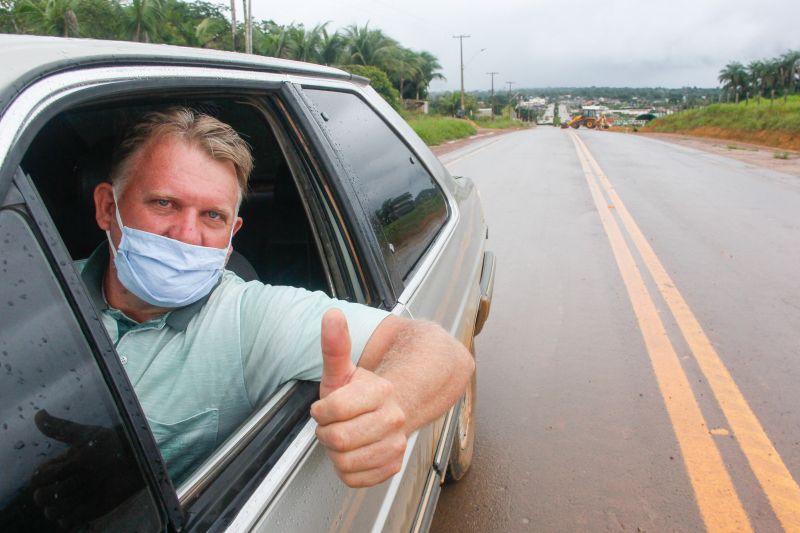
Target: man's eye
{"x": 163, "y": 203}
{"x": 214, "y": 215}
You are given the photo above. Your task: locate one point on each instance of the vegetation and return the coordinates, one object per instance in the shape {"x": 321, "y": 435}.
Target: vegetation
{"x": 378, "y": 80}
{"x": 499, "y": 123}
{"x": 775, "y": 124}
{"x": 438, "y": 129}
{"x": 763, "y": 78}
{"x": 448, "y": 103}
{"x": 208, "y": 25}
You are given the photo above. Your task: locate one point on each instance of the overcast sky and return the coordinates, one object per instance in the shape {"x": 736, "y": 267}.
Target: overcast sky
{"x": 535, "y": 43}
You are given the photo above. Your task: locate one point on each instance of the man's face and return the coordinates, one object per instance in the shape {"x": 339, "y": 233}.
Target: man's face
{"x": 177, "y": 191}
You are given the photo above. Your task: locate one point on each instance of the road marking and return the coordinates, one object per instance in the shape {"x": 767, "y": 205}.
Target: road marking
{"x": 719, "y": 505}
{"x": 776, "y": 481}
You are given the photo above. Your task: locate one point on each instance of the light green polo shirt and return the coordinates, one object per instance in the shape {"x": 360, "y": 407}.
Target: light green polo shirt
{"x": 200, "y": 370}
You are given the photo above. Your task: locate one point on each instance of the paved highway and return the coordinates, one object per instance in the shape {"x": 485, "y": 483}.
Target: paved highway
{"x": 640, "y": 369}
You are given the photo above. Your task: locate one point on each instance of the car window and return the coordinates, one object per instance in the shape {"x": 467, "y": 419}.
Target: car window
{"x": 60, "y": 431}
{"x": 405, "y": 206}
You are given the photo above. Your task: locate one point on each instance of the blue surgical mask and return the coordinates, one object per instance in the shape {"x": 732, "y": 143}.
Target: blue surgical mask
{"x": 165, "y": 272}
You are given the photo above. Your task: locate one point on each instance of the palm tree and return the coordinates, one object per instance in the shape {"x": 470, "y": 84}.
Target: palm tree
{"x": 269, "y": 39}
{"x": 143, "y": 19}
{"x": 210, "y": 30}
{"x": 330, "y": 47}
{"x": 367, "y": 47}
{"x": 755, "y": 71}
{"x": 302, "y": 44}
{"x": 733, "y": 77}
{"x": 427, "y": 73}
{"x": 403, "y": 65}
{"x": 49, "y": 17}
{"x": 787, "y": 63}
{"x": 771, "y": 77}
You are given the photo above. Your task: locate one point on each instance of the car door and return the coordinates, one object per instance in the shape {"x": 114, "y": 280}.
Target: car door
{"x": 430, "y": 231}
{"x": 406, "y": 219}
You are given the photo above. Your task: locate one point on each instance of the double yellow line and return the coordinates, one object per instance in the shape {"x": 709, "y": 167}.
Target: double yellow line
{"x": 719, "y": 504}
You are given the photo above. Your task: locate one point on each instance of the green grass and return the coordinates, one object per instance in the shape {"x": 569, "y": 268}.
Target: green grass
{"x": 499, "y": 123}
{"x": 751, "y": 116}
{"x": 436, "y": 130}
{"x": 781, "y": 155}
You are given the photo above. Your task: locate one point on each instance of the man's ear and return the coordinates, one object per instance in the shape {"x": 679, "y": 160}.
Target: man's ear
{"x": 237, "y": 225}
{"x": 104, "y": 206}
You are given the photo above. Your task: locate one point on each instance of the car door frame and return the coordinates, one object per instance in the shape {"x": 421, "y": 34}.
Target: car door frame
{"x": 442, "y": 432}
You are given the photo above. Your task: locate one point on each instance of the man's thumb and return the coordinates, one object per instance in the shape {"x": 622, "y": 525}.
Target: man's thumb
{"x": 337, "y": 367}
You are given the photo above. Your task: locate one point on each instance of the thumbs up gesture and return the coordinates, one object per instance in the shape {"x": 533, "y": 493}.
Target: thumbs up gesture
{"x": 360, "y": 421}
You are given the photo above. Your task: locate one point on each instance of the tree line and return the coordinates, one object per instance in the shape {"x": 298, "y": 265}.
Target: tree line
{"x": 762, "y": 78}
{"x": 396, "y": 71}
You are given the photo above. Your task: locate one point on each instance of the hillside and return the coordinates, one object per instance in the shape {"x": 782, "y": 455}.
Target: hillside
{"x": 768, "y": 123}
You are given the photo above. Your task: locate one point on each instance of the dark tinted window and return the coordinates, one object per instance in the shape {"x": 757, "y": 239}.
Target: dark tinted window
{"x": 404, "y": 204}
{"x": 66, "y": 459}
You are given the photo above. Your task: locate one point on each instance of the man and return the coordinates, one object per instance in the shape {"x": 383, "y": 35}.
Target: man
{"x": 203, "y": 348}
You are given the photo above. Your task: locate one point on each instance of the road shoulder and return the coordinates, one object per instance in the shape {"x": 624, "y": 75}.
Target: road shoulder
{"x": 758, "y": 155}
{"x": 483, "y": 133}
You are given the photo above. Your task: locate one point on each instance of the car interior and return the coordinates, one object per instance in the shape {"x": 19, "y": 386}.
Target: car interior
{"x": 72, "y": 153}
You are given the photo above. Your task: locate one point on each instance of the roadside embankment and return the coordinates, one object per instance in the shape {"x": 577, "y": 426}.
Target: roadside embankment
{"x": 436, "y": 130}
{"x": 770, "y": 123}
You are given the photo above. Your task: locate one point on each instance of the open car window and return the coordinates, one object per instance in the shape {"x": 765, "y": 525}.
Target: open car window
{"x": 277, "y": 245}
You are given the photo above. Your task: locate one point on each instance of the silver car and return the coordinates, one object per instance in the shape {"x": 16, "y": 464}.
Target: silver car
{"x": 344, "y": 198}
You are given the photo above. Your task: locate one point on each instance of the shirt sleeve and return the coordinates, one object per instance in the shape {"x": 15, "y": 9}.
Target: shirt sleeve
{"x": 280, "y": 335}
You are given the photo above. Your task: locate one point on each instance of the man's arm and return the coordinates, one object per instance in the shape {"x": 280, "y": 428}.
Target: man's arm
{"x": 410, "y": 373}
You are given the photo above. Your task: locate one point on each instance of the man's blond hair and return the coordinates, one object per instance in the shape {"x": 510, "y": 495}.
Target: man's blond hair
{"x": 217, "y": 139}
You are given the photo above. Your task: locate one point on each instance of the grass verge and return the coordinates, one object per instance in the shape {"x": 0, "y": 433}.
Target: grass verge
{"x": 773, "y": 123}
{"x": 436, "y": 130}
{"x": 500, "y": 123}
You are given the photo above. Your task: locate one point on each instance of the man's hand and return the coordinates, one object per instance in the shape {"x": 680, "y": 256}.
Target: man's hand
{"x": 361, "y": 422}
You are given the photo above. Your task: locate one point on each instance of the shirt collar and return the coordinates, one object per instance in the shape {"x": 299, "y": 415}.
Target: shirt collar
{"x": 92, "y": 276}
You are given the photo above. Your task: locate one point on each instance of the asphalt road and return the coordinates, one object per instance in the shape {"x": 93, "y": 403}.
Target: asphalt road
{"x": 639, "y": 370}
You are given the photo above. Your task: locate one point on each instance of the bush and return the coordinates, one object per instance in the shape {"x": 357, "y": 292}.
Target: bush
{"x": 378, "y": 80}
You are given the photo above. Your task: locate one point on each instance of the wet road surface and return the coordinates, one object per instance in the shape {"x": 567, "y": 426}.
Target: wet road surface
{"x": 638, "y": 371}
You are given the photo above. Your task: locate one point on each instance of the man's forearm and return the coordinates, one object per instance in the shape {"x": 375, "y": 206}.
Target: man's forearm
{"x": 429, "y": 370}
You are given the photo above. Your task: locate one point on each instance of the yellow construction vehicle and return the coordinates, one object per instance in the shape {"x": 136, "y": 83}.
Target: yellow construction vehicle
{"x": 590, "y": 117}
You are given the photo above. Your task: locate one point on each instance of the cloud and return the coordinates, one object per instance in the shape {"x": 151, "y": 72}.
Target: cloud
{"x": 571, "y": 42}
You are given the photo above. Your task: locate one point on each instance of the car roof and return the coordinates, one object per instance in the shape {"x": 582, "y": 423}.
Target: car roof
{"x": 29, "y": 58}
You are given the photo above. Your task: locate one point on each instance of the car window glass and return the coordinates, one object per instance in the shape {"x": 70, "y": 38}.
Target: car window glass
{"x": 61, "y": 432}
{"x": 404, "y": 205}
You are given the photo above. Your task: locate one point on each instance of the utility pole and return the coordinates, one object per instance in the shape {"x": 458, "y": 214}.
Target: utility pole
{"x": 233, "y": 25}
{"x": 492, "y": 74}
{"x": 511, "y": 112}
{"x": 461, "y": 50}
{"x": 247, "y": 6}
